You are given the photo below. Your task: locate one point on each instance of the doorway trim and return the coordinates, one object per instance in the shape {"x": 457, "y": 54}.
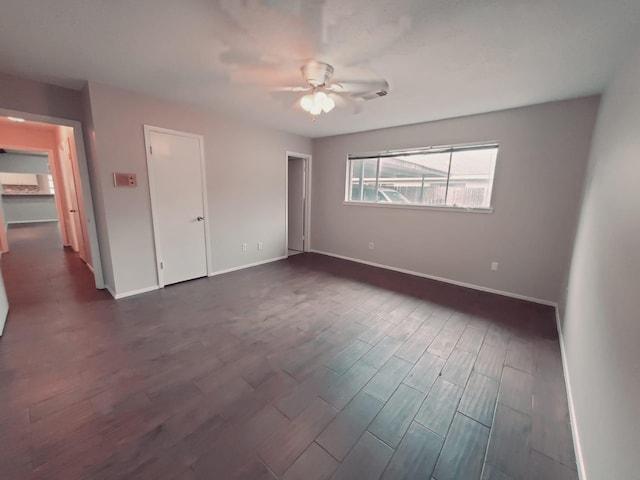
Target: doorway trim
{"x": 148, "y": 129}
{"x": 83, "y": 170}
{"x": 307, "y": 159}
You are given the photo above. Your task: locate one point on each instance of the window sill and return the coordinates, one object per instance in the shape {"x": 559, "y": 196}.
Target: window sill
{"x": 422, "y": 207}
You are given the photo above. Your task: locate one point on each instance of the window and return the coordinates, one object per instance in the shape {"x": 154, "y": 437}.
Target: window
{"x": 52, "y": 188}
{"x": 450, "y": 176}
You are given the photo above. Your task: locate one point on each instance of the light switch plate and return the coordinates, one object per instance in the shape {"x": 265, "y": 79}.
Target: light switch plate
{"x": 124, "y": 179}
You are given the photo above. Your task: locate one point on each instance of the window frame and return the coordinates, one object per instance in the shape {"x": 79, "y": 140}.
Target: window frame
{"x": 431, "y": 149}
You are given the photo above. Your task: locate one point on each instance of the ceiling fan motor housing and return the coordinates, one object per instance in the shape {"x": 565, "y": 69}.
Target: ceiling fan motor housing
{"x": 317, "y": 73}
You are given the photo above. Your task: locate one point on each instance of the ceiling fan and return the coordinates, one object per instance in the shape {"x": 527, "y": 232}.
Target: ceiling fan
{"x": 324, "y": 93}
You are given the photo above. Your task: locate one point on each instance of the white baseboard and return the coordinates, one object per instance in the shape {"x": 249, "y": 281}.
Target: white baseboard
{"x": 572, "y": 414}
{"x": 249, "y": 265}
{"x": 118, "y": 296}
{"x": 442, "y": 279}
{"x": 130, "y": 293}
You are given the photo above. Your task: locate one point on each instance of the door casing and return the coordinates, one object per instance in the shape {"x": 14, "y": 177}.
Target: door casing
{"x": 307, "y": 159}
{"x": 83, "y": 172}
{"x": 76, "y": 198}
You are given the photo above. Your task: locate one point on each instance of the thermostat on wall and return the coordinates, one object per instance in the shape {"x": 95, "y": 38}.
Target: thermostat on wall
{"x": 124, "y": 180}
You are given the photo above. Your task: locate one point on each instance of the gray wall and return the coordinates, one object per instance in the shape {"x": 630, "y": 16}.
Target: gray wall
{"x": 245, "y": 167}
{"x": 24, "y": 163}
{"x": 17, "y": 93}
{"x": 538, "y": 180}
{"x": 29, "y": 208}
{"x": 601, "y": 321}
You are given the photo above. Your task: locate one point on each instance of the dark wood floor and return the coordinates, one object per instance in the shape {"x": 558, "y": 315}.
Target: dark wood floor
{"x": 309, "y": 368}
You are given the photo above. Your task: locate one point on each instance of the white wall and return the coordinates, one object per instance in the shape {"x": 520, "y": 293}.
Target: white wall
{"x": 538, "y": 181}
{"x": 24, "y": 95}
{"x": 601, "y": 321}
{"x": 245, "y": 167}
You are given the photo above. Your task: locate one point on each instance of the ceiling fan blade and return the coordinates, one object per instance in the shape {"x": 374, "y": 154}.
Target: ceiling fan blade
{"x": 265, "y": 75}
{"x": 358, "y": 86}
{"x": 285, "y": 97}
{"x": 292, "y": 89}
{"x": 347, "y": 101}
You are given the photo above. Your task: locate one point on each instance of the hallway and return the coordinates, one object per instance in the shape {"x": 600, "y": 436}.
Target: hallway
{"x": 40, "y": 272}
{"x": 51, "y": 295}
{"x": 307, "y": 368}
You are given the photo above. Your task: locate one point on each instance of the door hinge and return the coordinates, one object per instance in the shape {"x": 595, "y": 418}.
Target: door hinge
{"x": 151, "y": 149}
{"x": 161, "y": 265}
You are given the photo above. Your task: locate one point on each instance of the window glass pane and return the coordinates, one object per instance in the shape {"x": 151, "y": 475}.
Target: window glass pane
{"x": 362, "y": 187}
{"x": 471, "y": 178}
{"x": 51, "y": 185}
{"x": 454, "y": 176}
{"x": 420, "y": 179}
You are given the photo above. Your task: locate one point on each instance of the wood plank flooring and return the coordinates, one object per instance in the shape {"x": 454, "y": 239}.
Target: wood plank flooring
{"x": 304, "y": 369}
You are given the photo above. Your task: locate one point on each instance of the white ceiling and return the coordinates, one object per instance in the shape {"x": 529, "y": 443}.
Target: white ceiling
{"x": 442, "y": 58}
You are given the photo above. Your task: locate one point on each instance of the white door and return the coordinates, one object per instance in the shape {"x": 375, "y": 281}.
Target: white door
{"x": 77, "y": 199}
{"x": 296, "y": 203}
{"x": 178, "y": 203}
{"x": 69, "y": 193}
{"x": 74, "y": 224}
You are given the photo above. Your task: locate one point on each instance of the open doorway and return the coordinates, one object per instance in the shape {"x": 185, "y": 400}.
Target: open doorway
{"x": 38, "y": 174}
{"x": 298, "y": 202}
{"x": 45, "y": 178}
{"x": 27, "y": 190}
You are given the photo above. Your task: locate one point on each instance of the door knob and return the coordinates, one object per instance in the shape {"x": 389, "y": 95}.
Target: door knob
{"x": 200, "y": 219}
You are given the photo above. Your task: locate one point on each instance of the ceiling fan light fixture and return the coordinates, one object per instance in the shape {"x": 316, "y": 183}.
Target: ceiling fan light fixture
{"x": 328, "y": 104}
{"x": 316, "y": 109}
{"x": 320, "y": 97}
{"x": 317, "y": 102}
{"x": 321, "y": 93}
{"x": 307, "y": 102}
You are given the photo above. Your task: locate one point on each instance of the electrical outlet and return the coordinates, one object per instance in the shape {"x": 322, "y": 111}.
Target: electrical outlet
{"x": 244, "y": 247}
{"x": 494, "y": 266}
{"x": 259, "y": 245}
{"x": 371, "y": 245}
